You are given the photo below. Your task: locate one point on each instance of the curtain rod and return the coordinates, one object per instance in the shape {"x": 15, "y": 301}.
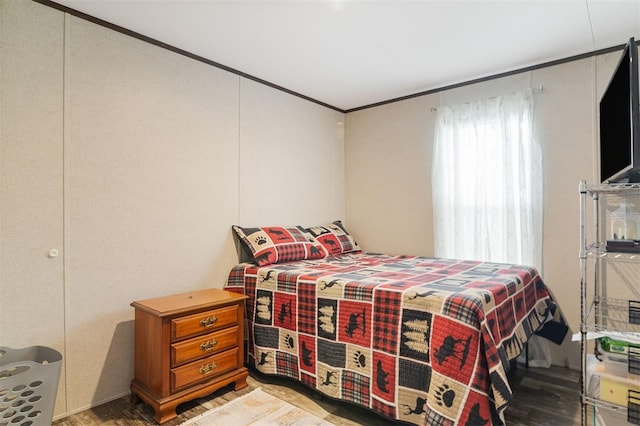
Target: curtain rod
{"x": 540, "y": 88}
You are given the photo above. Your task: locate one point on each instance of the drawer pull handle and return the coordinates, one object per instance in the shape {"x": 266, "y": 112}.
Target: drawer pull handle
{"x": 208, "y": 368}
{"x": 208, "y": 321}
{"x": 208, "y": 345}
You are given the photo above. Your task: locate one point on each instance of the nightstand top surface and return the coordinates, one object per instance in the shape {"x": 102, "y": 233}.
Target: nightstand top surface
{"x": 189, "y": 301}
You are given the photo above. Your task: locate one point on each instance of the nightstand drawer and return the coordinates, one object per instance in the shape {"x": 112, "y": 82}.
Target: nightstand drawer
{"x": 203, "y": 322}
{"x": 208, "y": 344}
{"x": 204, "y": 369}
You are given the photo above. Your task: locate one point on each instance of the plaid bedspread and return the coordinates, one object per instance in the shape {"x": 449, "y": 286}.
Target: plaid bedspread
{"x": 422, "y": 340}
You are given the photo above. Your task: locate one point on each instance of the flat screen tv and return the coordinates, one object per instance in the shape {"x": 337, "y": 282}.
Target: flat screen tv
{"x": 620, "y": 121}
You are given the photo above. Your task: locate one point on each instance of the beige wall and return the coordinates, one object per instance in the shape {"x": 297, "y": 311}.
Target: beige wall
{"x": 134, "y": 162}
{"x": 31, "y": 178}
{"x": 388, "y": 158}
{"x": 292, "y": 151}
{"x": 388, "y": 163}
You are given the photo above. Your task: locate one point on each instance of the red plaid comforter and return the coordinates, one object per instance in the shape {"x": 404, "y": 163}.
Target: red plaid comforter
{"x": 422, "y": 340}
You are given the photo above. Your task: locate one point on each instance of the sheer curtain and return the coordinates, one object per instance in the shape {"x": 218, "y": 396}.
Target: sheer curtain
{"x": 487, "y": 182}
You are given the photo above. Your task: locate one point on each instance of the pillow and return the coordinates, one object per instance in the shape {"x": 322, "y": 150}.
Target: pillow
{"x": 334, "y": 238}
{"x": 277, "y": 244}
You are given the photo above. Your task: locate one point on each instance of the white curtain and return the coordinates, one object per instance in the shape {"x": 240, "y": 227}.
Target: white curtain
{"x": 487, "y": 182}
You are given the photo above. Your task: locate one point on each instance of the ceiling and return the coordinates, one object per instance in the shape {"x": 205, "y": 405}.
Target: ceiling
{"x": 349, "y": 53}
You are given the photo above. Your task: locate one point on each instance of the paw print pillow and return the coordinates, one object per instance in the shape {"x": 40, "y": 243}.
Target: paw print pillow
{"x": 277, "y": 244}
{"x": 335, "y": 238}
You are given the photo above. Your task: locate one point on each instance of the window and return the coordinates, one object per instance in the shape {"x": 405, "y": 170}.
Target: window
{"x": 487, "y": 182}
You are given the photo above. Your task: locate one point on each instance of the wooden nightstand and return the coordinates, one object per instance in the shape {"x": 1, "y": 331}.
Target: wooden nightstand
{"x": 187, "y": 346}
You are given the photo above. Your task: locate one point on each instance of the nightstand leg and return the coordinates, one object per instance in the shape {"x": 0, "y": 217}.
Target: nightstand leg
{"x": 241, "y": 382}
{"x": 164, "y": 413}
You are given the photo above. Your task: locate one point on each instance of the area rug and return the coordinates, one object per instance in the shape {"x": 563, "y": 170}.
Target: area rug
{"x": 256, "y": 408}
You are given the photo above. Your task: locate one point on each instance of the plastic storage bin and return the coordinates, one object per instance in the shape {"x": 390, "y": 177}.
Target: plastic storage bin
{"x": 615, "y": 389}
{"x": 619, "y": 356}
{"x": 28, "y": 385}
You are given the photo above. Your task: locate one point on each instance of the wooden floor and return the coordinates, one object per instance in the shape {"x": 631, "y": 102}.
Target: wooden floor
{"x": 542, "y": 397}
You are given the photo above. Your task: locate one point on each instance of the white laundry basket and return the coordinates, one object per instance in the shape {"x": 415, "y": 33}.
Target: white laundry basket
{"x": 28, "y": 385}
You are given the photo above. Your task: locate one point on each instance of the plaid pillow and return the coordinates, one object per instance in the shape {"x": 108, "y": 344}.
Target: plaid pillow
{"x": 277, "y": 244}
{"x": 335, "y": 238}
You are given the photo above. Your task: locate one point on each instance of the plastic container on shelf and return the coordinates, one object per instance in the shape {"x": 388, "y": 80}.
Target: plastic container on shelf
{"x": 615, "y": 363}
{"x": 28, "y": 385}
{"x": 615, "y": 388}
{"x": 609, "y": 386}
{"x": 619, "y": 356}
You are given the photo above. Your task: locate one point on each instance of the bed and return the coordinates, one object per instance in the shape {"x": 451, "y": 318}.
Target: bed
{"x": 422, "y": 340}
